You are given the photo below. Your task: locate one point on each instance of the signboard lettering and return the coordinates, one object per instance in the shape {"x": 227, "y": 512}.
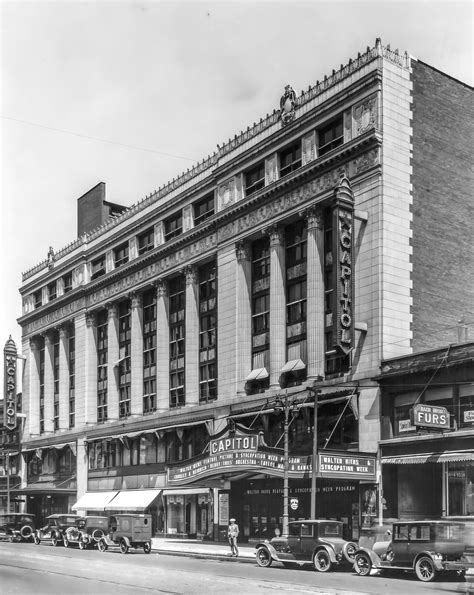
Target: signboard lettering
{"x": 330, "y": 465}
{"x": 10, "y": 353}
{"x": 429, "y": 416}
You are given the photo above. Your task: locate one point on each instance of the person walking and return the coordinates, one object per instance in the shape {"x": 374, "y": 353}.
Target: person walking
{"x": 233, "y": 533}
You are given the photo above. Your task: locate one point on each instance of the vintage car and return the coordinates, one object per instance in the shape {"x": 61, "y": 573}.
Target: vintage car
{"x": 86, "y": 531}
{"x": 317, "y": 542}
{"x": 426, "y": 547}
{"x": 127, "y": 531}
{"x": 17, "y": 526}
{"x": 55, "y": 528}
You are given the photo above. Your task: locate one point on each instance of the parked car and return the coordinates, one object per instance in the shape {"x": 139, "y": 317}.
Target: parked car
{"x": 86, "y": 531}
{"x": 17, "y": 526}
{"x": 127, "y": 531}
{"x": 317, "y": 542}
{"x": 426, "y": 547}
{"x": 55, "y": 528}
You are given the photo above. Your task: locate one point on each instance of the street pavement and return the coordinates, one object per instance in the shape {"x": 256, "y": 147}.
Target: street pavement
{"x": 198, "y": 548}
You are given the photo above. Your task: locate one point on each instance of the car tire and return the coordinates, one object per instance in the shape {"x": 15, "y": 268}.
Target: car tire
{"x": 123, "y": 546}
{"x": 348, "y": 551}
{"x": 101, "y": 545}
{"x": 54, "y": 540}
{"x": 263, "y": 556}
{"x": 97, "y": 535}
{"x": 82, "y": 544}
{"x": 11, "y": 538}
{"x": 147, "y": 547}
{"x": 65, "y": 541}
{"x": 322, "y": 561}
{"x": 362, "y": 564}
{"x": 26, "y": 531}
{"x": 425, "y": 569}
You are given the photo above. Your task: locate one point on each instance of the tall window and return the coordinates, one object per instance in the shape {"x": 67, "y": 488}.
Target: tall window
{"x": 38, "y": 298}
{"x": 330, "y": 136}
{"x": 173, "y": 226}
{"x": 121, "y": 255}
{"x": 67, "y": 278}
{"x": 52, "y": 293}
{"x": 261, "y": 304}
{"x": 149, "y": 351}
{"x": 102, "y": 345}
{"x": 296, "y": 262}
{"x": 290, "y": 159}
{"x": 41, "y": 388}
{"x": 146, "y": 241}
{"x": 72, "y": 377}
{"x": 125, "y": 364}
{"x": 177, "y": 299}
{"x": 56, "y": 380}
{"x": 254, "y": 179}
{"x": 207, "y": 333}
{"x": 98, "y": 267}
{"x": 203, "y": 209}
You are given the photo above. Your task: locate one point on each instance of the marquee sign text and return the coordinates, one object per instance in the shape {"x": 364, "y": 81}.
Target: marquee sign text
{"x": 10, "y": 353}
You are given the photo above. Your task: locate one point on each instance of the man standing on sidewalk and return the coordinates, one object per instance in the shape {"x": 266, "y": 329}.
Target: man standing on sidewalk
{"x": 233, "y": 534}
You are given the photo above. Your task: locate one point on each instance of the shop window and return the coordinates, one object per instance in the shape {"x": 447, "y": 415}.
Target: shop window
{"x": 52, "y": 292}
{"x": 290, "y": 158}
{"x": 121, "y": 255}
{"x": 146, "y": 241}
{"x": 203, "y": 209}
{"x": 98, "y": 267}
{"x": 330, "y": 136}
{"x": 173, "y": 226}
{"x": 254, "y": 179}
{"x": 67, "y": 280}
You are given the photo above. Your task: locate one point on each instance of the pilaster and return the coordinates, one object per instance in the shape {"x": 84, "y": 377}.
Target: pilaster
{"x": 113, "y": 354}
{"x": 192, "y": 336}
{"x": 48, "y": 382}
{"x": 162, "y": 346}
{"x": 244, "y": 315}
{"x": 33, "y": 373}
{"x": 136, "y": 346}
{"x": 63, "y": 377}
{"x": 277, "y": 304}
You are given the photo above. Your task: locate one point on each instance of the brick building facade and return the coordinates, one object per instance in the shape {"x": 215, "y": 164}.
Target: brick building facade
{"x": 290, "y": 262}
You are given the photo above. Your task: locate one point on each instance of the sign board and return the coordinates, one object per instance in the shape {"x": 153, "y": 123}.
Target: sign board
{"x": 10, "y": 357}
{"x": 294, "y": 503}
{"x": 468, "y": 416}
{"x": 429, "y": 416}
{"x": 337, "y": 465}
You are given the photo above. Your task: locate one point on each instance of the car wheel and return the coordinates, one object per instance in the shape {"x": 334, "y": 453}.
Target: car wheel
{"x": 425, "y": 569}
{"x": 97, "y": 534}
{"x": 123, "y": 546}
{"x": 82, "y": 544}
{"x": 348, "y": 551}
{"x": 65, "y": 541}
{"x": 26, "y": 532}
{"x": 147, "y": 547}
{"x": 363, "y": 564}
{"x": 264, "y": 558}
{"x": 36, "y": 539}
{"x": 11, "y": 538}
{"x": 322, "y": 561}
{"x": 54, "y": 539}
{"x": 102, "y": 546}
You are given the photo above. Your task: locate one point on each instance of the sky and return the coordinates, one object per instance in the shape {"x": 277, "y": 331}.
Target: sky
{"x": 134, "y": 93}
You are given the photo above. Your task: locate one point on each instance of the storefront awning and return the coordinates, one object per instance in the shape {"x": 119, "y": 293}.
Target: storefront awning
{"x": 429, "y": 458}
{"x": 293, "y": 366}
{"x": 257, "y": 374}
{"x": 94, "y": 501}
{"x": 133, "y": 500}
{"x": 185, "y": 491}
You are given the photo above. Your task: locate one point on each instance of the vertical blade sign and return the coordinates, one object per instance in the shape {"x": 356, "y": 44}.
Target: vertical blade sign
{"x": 10, "y": 357}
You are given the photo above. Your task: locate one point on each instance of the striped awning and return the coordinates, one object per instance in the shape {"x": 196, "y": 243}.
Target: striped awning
{"x": 434, "y": 457}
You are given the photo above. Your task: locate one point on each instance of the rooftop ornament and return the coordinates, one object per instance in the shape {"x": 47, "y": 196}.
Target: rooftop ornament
{"x": 288, "y": 105}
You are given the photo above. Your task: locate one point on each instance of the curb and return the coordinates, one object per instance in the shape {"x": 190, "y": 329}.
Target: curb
{"x": 203, "y": 555}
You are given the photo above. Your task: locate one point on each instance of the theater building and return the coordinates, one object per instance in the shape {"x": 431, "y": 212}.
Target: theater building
{"x": 288, "y": 265}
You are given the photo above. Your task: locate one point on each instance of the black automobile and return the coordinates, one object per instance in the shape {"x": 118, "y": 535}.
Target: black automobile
{"x": 86, "y": 531}
{"x": 127, "y": 531}
{"x": 17, "y": 526}
{"x": 425, "y": 547}
{"x": 317, "y": 542}
{"x": 55, "y": 528}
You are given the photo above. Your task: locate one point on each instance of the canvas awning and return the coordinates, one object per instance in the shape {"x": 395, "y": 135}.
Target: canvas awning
{"x": 133, "y": 500}
{"x": 257, "y": 374}
{"x": 185, "y": 491}
{"x": 94, "y": 501}
{"x": 429, "y": 458}
{"x": 293, "y": 366}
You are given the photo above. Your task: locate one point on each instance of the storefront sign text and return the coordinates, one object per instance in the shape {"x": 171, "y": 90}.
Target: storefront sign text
{"x": 428, "y": 416}
{"x": 10, "y": 355}
{"x": 233, "y": 443}
{"x": 335, "y": 466}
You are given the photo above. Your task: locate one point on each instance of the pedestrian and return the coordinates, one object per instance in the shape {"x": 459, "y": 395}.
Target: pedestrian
{"x": 233, "y": 534}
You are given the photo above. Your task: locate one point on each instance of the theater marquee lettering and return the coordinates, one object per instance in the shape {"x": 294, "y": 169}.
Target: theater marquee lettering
{"x": 336, "y": 466}
{"x": 10, "y": 414}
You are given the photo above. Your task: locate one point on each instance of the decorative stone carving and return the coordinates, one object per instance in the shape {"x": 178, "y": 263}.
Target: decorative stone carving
{"x": 91, "y": 319}
{"x": 364, "y": 115}
{"x": 112, "y": 310}
{"x": 242, "y": 251}
{"x": 275, "y": 233}
{"x": 136, "y": 299}
{"x": 161, "y": 288}
{"x": 288, "y": 105}
{"x": 50, "y": 258}
{"x": 314, "y": 216}
{"x": 191, "y": 274}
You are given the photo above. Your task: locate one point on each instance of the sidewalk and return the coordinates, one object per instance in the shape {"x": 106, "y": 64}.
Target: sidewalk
{"x": 202, "y": 549}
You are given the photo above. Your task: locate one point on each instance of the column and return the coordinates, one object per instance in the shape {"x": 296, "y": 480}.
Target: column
{"x": 315, "y": 293}
{"x": 48, "y": 382}
{"x": 191, "y": 342}
{"x": 34, "y": 394}
{"x": 277, "y": 304}
{"x": 136, "y": 346}
{"x": 243, "y": 348}
{"x": 113, "y": 355}
{"x": 162, "y": 346}
{"x": 81, "y": 467}
{"x": 63, "y": 377}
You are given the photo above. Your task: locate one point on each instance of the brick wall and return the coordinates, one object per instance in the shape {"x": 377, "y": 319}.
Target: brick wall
{"x": 443, "y": 250}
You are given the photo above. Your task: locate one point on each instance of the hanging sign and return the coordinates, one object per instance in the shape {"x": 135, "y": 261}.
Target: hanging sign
{"x": 429, "y": 416}
{"x": 10, "y": 357}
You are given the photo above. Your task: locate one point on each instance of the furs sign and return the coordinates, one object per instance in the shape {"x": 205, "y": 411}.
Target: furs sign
{"x": 10, "y": 357}
{"x": 428, "y": 416}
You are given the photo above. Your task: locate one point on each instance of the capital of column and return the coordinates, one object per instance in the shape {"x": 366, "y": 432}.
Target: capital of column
{"x": 64, "y": 330}
{"x": 161, "y": 288}
{"x": 314, "y": 216}
{"x": 91, "y": 319}
{"x": 36, "y": 343}
{"x": 242, "y": 251}
{"x": 112, "y": 310}
{"x": 275, "y": 233}
{"x": 191, "y": 274}
{"x": 136, "y": 300}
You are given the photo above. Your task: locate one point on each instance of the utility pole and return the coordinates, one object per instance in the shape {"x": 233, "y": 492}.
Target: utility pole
{"x": 315, "y": 454}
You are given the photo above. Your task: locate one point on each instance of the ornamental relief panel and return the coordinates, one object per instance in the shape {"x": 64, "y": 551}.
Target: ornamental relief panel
{"x": 364, "y": 115}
